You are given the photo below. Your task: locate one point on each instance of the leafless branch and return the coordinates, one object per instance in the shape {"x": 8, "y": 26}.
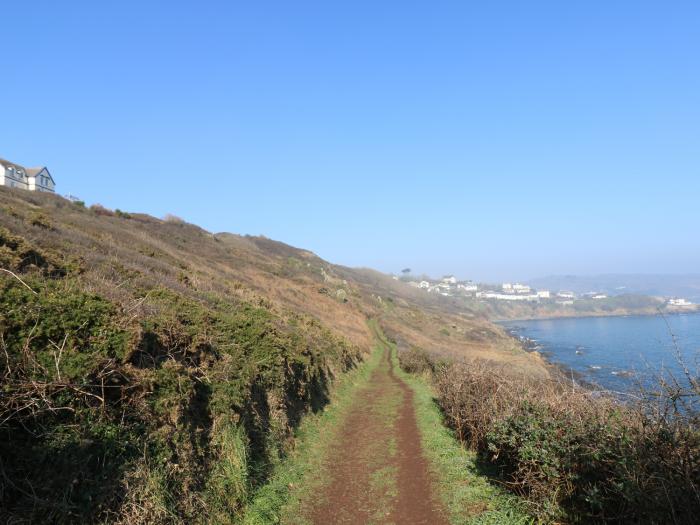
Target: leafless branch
{"x": 19, "y": 279}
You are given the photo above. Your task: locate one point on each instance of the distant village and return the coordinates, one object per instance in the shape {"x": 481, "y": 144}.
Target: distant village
{"x": 449, "y": 286}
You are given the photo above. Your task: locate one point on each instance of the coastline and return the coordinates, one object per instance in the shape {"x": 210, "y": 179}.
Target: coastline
{"x": 565, "y": 370}
{"x": 502, "y": 320}
{"x": 557, "y": 371}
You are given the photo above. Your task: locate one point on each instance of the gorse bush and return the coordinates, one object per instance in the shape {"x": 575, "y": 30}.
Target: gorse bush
{"x": 576, "y": 455}
{"x": 174, "y": 415}
{"x": 100, "y": 210}
{"x": 417, "y": 361}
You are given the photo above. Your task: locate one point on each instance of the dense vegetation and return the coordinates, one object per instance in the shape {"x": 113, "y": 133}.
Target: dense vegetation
{"x": 174, "y": 415}
{"x": 128, "y": 393}
{"x": 154, "y": 372}
{"x": 576, "y": 455}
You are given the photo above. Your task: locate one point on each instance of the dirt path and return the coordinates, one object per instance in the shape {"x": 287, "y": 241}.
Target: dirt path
{"x": 377, "y": 472}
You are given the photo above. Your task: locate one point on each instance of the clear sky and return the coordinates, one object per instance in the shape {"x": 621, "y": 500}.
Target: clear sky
{"x": 493, "y": 140}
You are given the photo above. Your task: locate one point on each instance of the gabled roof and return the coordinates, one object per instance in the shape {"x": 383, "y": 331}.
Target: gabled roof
{"x": 31, "y": 172}
{"x": 9, "y": 164}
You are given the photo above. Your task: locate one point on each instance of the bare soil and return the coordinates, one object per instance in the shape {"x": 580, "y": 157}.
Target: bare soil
{"x": 378, "y": 473}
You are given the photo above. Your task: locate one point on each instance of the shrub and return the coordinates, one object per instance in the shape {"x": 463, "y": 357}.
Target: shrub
{"x": 576, "y": 455}
{"x": 100, "y": 210}
{"x": 416, "y": 361}
{"x": 41, "y": 220}
{"x": 173, "y": 219}
{"x": 174, "y": 417}
{"x": 19, "y": 255}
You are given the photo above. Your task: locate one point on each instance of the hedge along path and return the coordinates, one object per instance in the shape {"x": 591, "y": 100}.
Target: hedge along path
{"x": 377, "y": 472}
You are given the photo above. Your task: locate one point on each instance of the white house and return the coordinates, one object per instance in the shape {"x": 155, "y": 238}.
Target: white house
{"x": 468, "y": 287}
{"x": 32, "y": 179}
{"x": 543, "y": 294}
{"x": 424, "y": 284}
{"x": 449, "y": 279}
{"x": 521, "y": 288}
{"x": 566, "y": 295}
{"x": 506, "y": 296}
{"x": 679, "y": 302}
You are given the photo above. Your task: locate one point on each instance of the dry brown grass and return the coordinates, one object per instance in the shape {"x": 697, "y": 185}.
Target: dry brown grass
{"x": 141, "y": 252}
{"x": 576, "y": 454}
{"x": 118, "y": 256}
{"x": 216, "y": 345}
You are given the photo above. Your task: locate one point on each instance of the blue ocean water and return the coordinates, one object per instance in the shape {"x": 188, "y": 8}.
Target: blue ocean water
{"x": 611, "y": 351}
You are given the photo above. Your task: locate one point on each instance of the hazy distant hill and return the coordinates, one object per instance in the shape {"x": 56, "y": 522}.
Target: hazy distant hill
{"x": 687, "y": 286}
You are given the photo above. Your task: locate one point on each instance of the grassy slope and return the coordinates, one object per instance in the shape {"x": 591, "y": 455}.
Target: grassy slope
{"x": 164, "y": 368}
{"x": 146, "y": 368}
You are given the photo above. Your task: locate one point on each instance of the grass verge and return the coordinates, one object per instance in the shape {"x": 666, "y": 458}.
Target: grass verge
{"x": 279, "y": 500}
{"x": 468, "y": 495}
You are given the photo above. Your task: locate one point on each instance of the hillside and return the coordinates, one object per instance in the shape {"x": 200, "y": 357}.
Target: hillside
{"x": 624, "y": 304}
{"x": 159, "y": 370}
{"x": 687, "y": 286}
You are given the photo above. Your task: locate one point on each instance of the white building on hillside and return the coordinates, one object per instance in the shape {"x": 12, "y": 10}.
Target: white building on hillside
{"x": 543, "y": 294}
{"x": 424, "y": 284}
{"x": 679, "y": 302}
{"x": 449, "y": 279}
{"x": 515, "y": 288}
{"x": 32, "y": 179}
{"x": 507, "y": 296}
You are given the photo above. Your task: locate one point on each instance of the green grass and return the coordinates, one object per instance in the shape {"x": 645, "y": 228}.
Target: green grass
{"x": 302, "y": 472}
{"x": 469, "y": 496}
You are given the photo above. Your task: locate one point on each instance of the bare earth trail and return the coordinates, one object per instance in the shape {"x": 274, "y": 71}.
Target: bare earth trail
{"x": 377, "y": 472}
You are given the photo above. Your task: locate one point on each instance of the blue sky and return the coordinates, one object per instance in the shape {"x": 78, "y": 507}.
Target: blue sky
{"x": 492, "y": 140}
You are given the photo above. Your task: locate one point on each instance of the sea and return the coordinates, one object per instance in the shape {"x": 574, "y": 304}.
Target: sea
{"x": 616, "y": 353}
